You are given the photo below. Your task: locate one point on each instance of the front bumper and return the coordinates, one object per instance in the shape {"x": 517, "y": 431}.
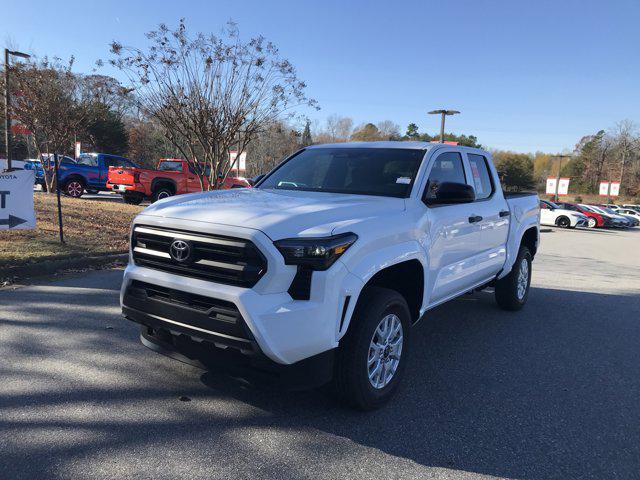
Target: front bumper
{"x": 309, "y": 373}
{"x": 273, "y": 325}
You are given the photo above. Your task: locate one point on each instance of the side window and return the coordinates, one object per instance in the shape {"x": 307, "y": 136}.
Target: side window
{"x": 481, "y": 177}
{"x": 116, "y": 162}
{"x": 544, "y": 205}
{"x": 446, "y": 168}
{"x": 89, "y": 160}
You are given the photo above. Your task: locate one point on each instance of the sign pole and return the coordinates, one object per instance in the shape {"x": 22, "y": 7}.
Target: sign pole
{"x": 55, "y": 159}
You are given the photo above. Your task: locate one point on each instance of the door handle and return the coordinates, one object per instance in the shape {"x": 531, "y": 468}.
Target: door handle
{"x": 505, "y": 213}
{"x": 475, "y": 219}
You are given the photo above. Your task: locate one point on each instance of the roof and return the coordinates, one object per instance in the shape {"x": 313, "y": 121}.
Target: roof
{"x": 393, "y": 144}
{"x": 388, "y": 144}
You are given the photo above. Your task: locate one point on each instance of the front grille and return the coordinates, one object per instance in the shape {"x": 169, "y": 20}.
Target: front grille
{"x": 210, "y": 315}
{"x": 220, "y": 259}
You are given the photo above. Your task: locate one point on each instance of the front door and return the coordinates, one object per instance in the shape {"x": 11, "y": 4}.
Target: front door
{"x": 452, "y": 230}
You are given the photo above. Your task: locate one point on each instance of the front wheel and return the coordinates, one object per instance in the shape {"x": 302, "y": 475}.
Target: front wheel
{"x": 373, "y": 353}
{"x": 592, "y": 223}
{"x": 512, "y": 291}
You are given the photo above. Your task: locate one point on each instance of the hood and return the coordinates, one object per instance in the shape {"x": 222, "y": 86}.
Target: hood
{"x": 278, "y": 213}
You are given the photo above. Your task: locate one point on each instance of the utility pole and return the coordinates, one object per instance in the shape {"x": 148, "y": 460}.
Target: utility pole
{"x": 7, "y": 104}
{"x": 560, "y": 157}
{"x": 444, "y": 113}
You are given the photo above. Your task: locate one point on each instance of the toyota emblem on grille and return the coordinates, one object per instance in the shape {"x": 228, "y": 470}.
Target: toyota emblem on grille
{"x": 180, "y": 251}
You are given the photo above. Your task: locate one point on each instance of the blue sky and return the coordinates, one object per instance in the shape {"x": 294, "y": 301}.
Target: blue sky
{"x": 527, "y": 75}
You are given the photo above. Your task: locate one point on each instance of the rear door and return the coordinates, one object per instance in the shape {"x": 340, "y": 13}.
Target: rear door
{"x": 452, "y": 232}
{"x": 492, "y": 210}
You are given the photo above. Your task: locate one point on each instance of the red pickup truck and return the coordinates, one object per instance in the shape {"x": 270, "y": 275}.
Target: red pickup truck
{"x": 173, "y": 176}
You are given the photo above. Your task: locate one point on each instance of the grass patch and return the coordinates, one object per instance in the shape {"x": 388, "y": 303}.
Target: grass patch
{"x": 91, "y": 227}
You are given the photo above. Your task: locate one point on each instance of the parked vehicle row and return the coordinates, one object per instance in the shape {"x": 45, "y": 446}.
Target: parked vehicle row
{"x": 572, "y": 215}
{"x": 172, "y": 176}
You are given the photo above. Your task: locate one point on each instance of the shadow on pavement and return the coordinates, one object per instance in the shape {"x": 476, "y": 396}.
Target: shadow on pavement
{"x": 548, "y": 392}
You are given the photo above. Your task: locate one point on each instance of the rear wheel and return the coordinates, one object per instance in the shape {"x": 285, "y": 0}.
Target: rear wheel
{"x": 74, "y": 188}
{"x": 592, "y": 222}
{"x": 373, "y": 353}
{"x": 563, "y": 222}
{"x": 162, "y": 192}
{"x": 512, "y": 291}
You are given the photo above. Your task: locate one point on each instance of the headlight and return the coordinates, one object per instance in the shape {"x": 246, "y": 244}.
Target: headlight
{"x": 315, "y": 253}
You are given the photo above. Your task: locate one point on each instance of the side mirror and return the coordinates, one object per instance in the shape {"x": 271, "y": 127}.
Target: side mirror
{"x": 256, "y": 179}
{"x": 451, "y": 192}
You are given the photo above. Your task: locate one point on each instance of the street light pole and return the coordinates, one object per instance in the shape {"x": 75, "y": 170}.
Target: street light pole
{"x": 7, "y": 104}
{"x": 444, "y": 113}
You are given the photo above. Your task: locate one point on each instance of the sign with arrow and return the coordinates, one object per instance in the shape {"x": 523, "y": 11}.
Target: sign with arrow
{"x": 16, "y": 200}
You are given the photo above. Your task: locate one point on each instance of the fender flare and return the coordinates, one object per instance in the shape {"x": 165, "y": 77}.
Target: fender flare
{"x": 159, "y": 181}
{"x": 372, "y": 263}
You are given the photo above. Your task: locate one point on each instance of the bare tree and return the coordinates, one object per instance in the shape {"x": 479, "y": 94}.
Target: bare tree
{"x": 625, "y": 136}
{"x": 389, "y": 130}
{"x": 211, "y": 94}
{"x": 49, "y": 102}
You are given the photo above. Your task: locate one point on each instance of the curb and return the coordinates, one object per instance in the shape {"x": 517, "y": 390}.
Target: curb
{"x": 49, "y": 267}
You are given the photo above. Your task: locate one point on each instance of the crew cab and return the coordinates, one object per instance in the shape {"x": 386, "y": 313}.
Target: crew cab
{"x": 321, "y": 271}
{"x": 89, "y": 172}
{"x": 555, "y": 215}
{"x": 172, "y": 176}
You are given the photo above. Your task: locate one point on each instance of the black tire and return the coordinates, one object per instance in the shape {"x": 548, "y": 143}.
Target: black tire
{"x": 162, "y": 192}
{"x": 132, "y": 199}
{"x": 506, "y": 293}
{"x": 563, "y": 222}
{"x": 592, "y": 222}
{"x": 351, "y": 379}
{"x": 74, "y": 187}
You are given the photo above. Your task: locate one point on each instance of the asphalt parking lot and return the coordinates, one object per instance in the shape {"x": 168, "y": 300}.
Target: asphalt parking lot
{"x": 548, "y": 392}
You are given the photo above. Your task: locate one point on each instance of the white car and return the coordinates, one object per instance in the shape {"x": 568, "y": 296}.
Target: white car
{"x": 323, "y": 268}
{"x": 554, "y": 215}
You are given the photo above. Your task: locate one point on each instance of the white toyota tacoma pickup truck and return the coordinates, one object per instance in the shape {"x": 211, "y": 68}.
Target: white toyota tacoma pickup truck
{"x": 323, "y": 269}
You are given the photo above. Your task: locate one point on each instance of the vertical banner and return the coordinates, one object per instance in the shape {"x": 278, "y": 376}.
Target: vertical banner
{"x": 16, "y": 200}
{"x": 614, "y": 189}
{"x": 551, "y": 186}
{"x": 604, "y": 189}
{"x": 241, "y": 165}
{"x": 563, "y": 186}
{"x": 78, "y": 149}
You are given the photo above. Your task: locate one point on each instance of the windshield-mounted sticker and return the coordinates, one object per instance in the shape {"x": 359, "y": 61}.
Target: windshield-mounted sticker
{"x": 405, "y": 180}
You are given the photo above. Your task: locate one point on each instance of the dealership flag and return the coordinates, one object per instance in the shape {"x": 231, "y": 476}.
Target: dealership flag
{"x": 551, "y": 186}
{"x": 604, "y": 189}
{"x": 614, "y": 190}
{"x": 563, "y": 186}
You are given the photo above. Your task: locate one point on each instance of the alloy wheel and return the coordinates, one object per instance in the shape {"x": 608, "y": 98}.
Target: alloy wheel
{"x": 385, "y": 351}
{"x": 523, "y": 279}
{"x": 74, "y": 189}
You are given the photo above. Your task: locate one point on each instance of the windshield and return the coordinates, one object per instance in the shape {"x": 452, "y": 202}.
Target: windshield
{"x": 597, "y": 209}
{"x": 170, "y": 166}
{"x": 363, "y": 171}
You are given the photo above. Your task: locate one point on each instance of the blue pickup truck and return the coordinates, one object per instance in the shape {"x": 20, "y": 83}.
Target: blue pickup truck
{"x": 89, "y": 173}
